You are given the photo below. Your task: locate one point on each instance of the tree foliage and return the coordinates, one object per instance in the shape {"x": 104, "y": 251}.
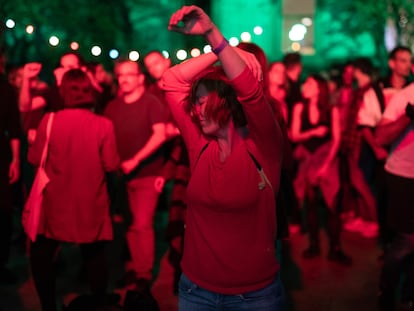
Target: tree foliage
{"x": 351, "y": 24}
{"x": 124, "y": 25}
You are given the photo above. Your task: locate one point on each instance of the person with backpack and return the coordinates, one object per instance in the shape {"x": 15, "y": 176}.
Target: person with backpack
{"x": 229, "y": 260}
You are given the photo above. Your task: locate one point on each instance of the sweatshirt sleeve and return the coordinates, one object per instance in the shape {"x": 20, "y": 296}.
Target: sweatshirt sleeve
{"x": 177, "y": 90}
{"x": 109, "y": 153}
{"x": 35, "y": 150}
{"x": 263, "y": 127}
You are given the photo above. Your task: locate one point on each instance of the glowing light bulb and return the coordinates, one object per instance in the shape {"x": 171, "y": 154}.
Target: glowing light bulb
{"x": 114, "y": 54}
{"x": 74, "y": 45}
{"x": 181, "y": 54}
{"x": 195, "y": 52}
{"x": 54, "y": 41}
{"x": 96, "y": 50}
{"x": 10, "y": 23}
{"x": 258, "y": 30}
{"x": 234, "y": 41}
{"x": 207, "y": 49}
{"x": 133, "y": 55}
{"x": 246, "y": 37}
{"x": 29, "y": 29}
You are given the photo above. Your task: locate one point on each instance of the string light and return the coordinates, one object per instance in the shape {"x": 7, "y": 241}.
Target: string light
{"x": 133, "y": 55}
{"x": 10, "y": 23}
{"x": 29, "y": 29}
{"x": 96, "y": 50}
{"x": 258, "y": 30}
{"x": 233, "y": 41}
{"x": 54, "y": 41}
{"x": 181, "y": 54}
{"x": 246, "y": 37}
{"x": 74, "y": 45}
{"x": 114, "y": 54}
{"x": 207, "y": 48}
{"x": 195, "y": 52}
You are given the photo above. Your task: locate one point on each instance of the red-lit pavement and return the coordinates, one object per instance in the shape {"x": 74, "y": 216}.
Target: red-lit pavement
{"x": 315, "y": 284}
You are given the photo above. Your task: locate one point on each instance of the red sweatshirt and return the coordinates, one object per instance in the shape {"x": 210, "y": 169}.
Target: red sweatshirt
{"x": 230, "y": 222}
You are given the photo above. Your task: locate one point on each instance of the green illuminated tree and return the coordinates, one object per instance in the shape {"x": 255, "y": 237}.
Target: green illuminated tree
{"x": 357, "y": 27}
{"x": 124, "y": 25}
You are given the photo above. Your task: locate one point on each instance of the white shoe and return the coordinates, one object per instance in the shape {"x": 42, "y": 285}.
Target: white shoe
{"x": 355, "y": 225}
{"x": 370, "y": 230}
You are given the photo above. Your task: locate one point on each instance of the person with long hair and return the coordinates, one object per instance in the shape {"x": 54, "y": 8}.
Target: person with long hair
{"x": 278, "y": 87}
{"x": 316, "y": 130}
{"x": 234, "y": 145}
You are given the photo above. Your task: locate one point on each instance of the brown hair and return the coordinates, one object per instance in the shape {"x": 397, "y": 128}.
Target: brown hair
{"x": 324, "y": 103}
{"x": 76, "y": 89}
{"x": 222, "y": 103}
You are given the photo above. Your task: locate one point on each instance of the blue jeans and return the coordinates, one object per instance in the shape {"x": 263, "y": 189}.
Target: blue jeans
{"x": 191, "y": 297}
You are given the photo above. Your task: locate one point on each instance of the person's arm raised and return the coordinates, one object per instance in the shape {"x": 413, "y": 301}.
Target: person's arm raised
{"x": 192, "y": 20}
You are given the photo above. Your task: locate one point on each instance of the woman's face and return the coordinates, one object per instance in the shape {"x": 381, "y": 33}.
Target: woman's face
{"x": 208, "y": 126}
{"x": 277, "y": 74}
{"x": 348, "y": 75}
{"x": 310, "y": 88}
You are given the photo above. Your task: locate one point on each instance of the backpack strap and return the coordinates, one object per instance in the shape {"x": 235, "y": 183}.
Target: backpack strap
{"x": 380, "y": 96}
{"x": 282, "y": 229}
{"x": 201, "y": 152}
{"x": 264, "y": 179}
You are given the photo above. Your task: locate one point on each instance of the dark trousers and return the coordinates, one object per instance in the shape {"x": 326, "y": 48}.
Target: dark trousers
{"x": 43, "y": 254}
{"x": 385, "y": 233}
{"x": 6, "y": 216}
{"x": 399, "y": 258}
{"x": 312, "y": 215}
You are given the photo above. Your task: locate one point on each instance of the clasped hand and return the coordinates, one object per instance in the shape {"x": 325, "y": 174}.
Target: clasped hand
{"x": 190, "y": 20}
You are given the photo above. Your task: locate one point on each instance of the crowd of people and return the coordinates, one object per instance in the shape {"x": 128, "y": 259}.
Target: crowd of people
{"x": 254, "y": 150}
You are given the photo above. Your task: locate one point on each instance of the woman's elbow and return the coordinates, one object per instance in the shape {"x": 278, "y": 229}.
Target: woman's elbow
{"x": 166, "y": 78}
{"x": 112, "y": 166}
{"x": 294, "y": 137}
{"x": 379, "y": 137}
{"x": 32, "y": 159}
{"x": 380, "y": 140}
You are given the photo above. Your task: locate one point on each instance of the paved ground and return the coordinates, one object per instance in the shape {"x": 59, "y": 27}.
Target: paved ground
{"x": 315, "y": 284}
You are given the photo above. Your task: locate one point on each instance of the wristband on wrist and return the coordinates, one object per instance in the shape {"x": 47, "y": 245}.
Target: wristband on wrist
{"x": 217, "y": 50}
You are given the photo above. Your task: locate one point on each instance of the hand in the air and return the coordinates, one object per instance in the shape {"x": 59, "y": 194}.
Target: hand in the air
{"x": 190, "y": 20}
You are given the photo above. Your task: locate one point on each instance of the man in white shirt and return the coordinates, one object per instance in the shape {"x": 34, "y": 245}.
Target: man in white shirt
{"x": 396, "y": 128}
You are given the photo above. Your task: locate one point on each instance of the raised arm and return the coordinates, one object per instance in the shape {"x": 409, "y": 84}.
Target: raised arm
{"x": 26, "y": 102}
{"x": 388, "y": 131}
{"x": 196, "y": 22}
{"x": 398, "y": 115}
{"x": 241, "y": 68}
